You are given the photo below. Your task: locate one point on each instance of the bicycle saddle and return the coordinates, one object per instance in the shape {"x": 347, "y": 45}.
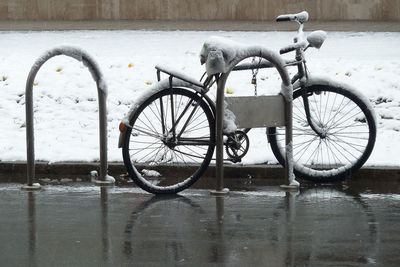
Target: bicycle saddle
{"x": 218, "y": 53}
{"x": 299, "y": 17}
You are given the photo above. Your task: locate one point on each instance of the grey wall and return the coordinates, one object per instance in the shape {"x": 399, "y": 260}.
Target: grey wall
{"x": 196, "y": 9}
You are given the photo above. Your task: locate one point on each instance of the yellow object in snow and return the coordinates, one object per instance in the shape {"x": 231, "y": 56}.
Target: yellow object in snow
{"x": 337, "y": 73}
{"x": 59, "y": 70}
{"x": 130, "y": 65}
{"x": 35, "y": 84}
{"x": 379, "y": 68}
{"x": 148, "y": 83}
{"x": 4, "y": 78}
{"x": 228, "y": 91}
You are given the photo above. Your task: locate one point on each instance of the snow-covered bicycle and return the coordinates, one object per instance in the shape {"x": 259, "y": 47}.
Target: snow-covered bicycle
{"x": 172, "y": 125}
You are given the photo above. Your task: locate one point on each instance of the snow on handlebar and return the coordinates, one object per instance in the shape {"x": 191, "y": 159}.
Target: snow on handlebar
{"x": 292, "y": 47}
{"x": 314, "y": 39}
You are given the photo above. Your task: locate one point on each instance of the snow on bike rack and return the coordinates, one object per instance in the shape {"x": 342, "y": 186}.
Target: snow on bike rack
{"x": 94, "y": 69}
{"x": 221, "y": 56}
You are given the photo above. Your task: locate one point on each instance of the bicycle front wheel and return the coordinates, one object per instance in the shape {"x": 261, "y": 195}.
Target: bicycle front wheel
{"x": 350, "y": 133}
{"x": 170, "y": 141}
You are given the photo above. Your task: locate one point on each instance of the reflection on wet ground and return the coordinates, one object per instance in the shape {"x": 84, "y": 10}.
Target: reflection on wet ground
{"x": 79, "y": 224}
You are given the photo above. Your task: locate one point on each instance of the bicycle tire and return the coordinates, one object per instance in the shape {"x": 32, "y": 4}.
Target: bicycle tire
{"x": 344, "y": 152}
{"x": 169, "y": 165}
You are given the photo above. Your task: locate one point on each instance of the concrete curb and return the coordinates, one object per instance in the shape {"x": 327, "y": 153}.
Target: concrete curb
{"x": 16, "y": 171}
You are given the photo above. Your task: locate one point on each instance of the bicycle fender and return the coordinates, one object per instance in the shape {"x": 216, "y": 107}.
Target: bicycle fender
{"x": 323, "y": 80}
{"x": 162, "y": 85}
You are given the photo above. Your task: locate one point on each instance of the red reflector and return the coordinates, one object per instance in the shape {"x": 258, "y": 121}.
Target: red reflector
{"x": 121, "y": 127}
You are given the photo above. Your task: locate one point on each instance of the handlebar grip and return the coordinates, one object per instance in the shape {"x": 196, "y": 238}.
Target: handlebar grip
{"x": 287, "y": 49}
{"x": 299, "y": 17}
{"x": 283, "y": 18}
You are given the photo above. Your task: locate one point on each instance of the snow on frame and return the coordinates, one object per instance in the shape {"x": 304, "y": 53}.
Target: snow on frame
{"x": 66, "y": 116}
{"x": 80, "y": 55}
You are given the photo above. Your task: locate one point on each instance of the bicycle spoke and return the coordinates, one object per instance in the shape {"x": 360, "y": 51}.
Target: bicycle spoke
{"x": 353, "y": 145}
{"x": 344, "y": 119}
{"x": 138, "y": 129}
{"x": 305, "y": 148}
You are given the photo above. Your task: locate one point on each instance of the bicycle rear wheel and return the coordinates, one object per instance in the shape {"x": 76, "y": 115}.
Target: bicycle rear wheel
{"x": 350, "y": 134}
{"x": 170, "y": 141}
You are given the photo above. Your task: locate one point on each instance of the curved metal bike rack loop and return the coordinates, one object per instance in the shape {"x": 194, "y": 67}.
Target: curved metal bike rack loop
{"x": 278, "y": 63}
{"x": 91, "y": 64}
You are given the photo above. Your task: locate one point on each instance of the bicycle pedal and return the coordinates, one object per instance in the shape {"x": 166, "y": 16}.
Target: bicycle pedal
{"x": 233, "y": 160}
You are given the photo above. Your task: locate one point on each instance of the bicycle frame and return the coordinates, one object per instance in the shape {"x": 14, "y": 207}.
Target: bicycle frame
{"x": 301, "y": 76}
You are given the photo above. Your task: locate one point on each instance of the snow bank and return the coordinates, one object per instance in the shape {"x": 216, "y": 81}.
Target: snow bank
{"x": 66, "y": 108}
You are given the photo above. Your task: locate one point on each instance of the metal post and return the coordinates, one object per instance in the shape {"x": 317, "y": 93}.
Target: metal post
{"x": 219, "y": 135}
{"x": 103, "y": 138}
{"x": 288, "y": 138}
{"x": 102, "y": 96}
{"x": 219, "y": 165}
{"x": 30, "y": 139}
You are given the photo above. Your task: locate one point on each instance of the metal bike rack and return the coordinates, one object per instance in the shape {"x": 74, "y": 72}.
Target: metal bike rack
{"x": 282, "y": 103}
{"x": 91, "y": 64}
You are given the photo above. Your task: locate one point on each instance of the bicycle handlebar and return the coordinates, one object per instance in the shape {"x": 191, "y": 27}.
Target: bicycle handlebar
{"x": 299, "y": 17}
{"x": 282, "y": 18}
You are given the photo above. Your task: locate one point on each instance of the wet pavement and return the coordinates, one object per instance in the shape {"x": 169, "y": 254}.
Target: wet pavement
{"x": 79, "y": 224}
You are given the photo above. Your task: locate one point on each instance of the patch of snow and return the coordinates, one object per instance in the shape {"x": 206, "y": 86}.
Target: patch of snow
{"x": 287, "y": 92}
{"x": 229, "y": 120}
{"x": 381, "y": 196}
{"x": 289, "y": 156}
{"x": 94, "y": 175}
{"x": 110, "y": 178}
{"x": 152, "y": 173}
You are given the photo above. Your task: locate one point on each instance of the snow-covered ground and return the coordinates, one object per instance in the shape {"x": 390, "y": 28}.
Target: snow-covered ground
{"x": 65, "y": 97}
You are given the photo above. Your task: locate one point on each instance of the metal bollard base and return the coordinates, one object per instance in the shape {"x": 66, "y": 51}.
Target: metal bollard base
{"x": 104, "y": 183}
{"x": 33, "y": 187}
{"x": 289, "y": 187}
{"x": 222, "y": 192}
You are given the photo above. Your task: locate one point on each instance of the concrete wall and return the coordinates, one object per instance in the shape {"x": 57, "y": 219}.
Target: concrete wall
{"x": 196, "y": 9}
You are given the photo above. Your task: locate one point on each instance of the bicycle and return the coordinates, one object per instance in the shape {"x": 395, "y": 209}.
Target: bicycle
{"x": 173, "y": 125}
